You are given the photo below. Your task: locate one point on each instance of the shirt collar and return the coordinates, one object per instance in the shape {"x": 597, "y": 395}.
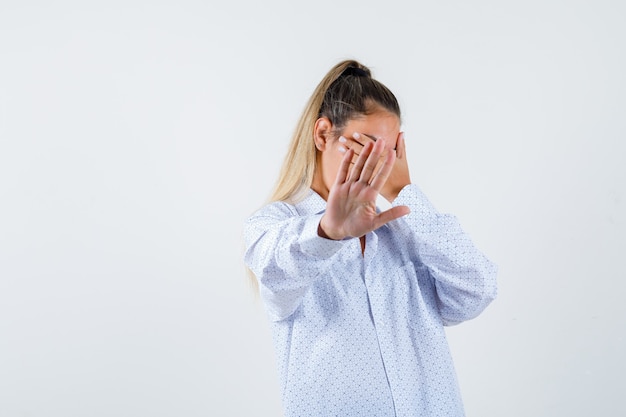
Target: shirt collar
{"x": 313, "y": 203}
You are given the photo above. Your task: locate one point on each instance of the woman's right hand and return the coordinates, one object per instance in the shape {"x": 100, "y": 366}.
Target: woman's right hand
{"x": 351, "y": 205}
{"x": 399, "y": 176}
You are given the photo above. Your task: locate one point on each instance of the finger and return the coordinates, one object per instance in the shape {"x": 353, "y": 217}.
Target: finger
{"x": 355, "y": 156}
{"x": 357, "y": 142}
{"x": 383, "y": 173}
{"x": 391, "y": 214}
{"x": 372, "y": 160}
{"x": 344, "y": 167}
{"x": 363, "y": 138}
{"x": 379, "y": 165}
{"x": 353, "y": 143}
{"x": 345, "y": 144}
{"x": 355, "y": 173}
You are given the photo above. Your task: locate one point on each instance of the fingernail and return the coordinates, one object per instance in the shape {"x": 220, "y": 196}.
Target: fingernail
{"x": 342, "y": 149}
{"x": 342, "y": 139}
{"x": 356, "y": 135}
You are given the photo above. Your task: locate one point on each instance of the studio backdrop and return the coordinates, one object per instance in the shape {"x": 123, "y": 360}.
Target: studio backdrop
{"x": 136, "y": 137}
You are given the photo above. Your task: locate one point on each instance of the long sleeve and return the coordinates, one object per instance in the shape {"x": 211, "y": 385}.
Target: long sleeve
{"x": 286, "y": 254}
{"x": 361, "y": 332}
{"x": 465, "y": 280}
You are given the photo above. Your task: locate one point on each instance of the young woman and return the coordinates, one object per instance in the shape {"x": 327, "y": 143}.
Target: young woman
{"x": 357, "y": 297}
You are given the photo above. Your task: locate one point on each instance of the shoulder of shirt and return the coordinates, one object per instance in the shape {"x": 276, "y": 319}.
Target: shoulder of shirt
{"x": 276, "y": 209}
{"x": 312, "y": 203}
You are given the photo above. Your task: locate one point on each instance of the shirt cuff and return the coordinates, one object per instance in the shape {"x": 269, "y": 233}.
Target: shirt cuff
{"x": 313, "y": 244}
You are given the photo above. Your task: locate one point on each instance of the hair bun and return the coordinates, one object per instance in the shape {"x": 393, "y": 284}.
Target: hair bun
{"x": 356, "y": 71}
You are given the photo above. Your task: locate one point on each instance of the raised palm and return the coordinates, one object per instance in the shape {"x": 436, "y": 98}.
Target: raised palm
{"x": 351, "y": 206}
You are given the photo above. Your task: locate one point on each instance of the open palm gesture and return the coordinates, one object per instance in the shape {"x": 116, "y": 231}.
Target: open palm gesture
{"x": 351, "y": 206}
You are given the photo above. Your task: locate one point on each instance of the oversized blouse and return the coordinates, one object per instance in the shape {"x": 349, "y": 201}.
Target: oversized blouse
{"x": 362, "y": 334}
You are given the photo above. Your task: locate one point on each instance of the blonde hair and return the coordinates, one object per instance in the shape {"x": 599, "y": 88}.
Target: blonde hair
{"x": 345, "y": 92}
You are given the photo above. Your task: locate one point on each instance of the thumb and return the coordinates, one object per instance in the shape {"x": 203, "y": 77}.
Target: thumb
{"x": 391, "y": 214}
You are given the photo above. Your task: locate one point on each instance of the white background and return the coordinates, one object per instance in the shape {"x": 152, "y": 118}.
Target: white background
{"x": 136, "y": 137}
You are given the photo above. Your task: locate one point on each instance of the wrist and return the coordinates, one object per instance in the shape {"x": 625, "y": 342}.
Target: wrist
{"x": 326, "y": 232}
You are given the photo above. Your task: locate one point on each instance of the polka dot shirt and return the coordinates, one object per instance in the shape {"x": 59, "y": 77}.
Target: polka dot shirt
{"x": 361, "y": 334}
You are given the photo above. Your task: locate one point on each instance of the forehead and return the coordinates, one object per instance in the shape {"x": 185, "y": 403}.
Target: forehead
{"x": 381, "y": 124}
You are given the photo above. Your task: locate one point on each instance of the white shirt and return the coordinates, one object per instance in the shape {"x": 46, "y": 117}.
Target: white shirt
{"x": 362, "y": 334}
